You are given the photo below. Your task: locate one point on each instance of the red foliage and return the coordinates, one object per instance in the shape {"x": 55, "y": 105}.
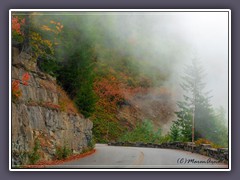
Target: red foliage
{"x": 25, "y": 79}
{"x": 51, "y": 105}
{"x": 113, "y": 91}
{"x": 110, "y": 92}
{"x": 15, "y": 89}
{"x": 45, "y": 164}
{"x": 16, "y": 25}
{"x": 15, "y": 85}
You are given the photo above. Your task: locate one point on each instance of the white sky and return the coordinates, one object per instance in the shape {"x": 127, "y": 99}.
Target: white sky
{"x": 207, "y": 33}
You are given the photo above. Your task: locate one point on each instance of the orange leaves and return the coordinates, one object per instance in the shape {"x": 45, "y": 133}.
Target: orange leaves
{"x": 15, "y": 85}
{"x": 38, "y": 43}
{"x": 16, "y": 91}
{"x": 205, "y": 141}
{"x": 202, "y": 141}
{"x": 16, "y": 25}
{"x": 44, "y": 164}
{"x": 46, "y": 28}
{"x": 110, "y": 92}
{"x": 57, "y": 28}
{"x": 25, "y": 79}
{"x": 51, "y": 105}
{"x": 65, "y": 103}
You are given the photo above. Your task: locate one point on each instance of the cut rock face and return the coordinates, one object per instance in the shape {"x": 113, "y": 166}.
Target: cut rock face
{"x": 38, "y": 116}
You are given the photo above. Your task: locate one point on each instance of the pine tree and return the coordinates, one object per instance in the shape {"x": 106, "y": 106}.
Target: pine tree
{"x": 77, "y": 78}
{"x": 175, "y": 132}
{"x": 195, "y": 115}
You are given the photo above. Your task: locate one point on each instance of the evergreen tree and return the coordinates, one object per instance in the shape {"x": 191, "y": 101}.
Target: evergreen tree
{"x": 143, "y": 132}
{"x": 77, "y": 78}
{"x": 174, "y": 132}
{"x": 195, "y": 109}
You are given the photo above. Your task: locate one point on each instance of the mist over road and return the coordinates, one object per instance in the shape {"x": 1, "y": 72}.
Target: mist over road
{"x": 135, "y": 157}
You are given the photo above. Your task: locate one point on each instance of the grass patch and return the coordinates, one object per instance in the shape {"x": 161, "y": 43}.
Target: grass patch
{"x": 62, "y": 152}
{"x": 34, "y": 156}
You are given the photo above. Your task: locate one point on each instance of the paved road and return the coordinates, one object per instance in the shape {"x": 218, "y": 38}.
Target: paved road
{"x": 134, "y": 157}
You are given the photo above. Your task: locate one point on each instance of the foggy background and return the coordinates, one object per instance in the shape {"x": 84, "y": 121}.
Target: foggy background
{"x": 168, "y": 41}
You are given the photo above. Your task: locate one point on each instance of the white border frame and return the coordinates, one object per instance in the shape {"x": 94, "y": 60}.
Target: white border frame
{"x": 123, "y": 10}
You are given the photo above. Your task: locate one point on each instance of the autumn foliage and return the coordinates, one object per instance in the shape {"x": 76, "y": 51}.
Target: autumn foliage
{"x": 16, "y": 91}
{"x": 42, "y": 45}
{"x": 205, "y": 141}
{"x": 42, "y": 36}
{"x": 109, "y": 92}
{"x": 17, "y": 23}
{"x": 113, "y": 92}
{"x": 25, "y": 79}
{"x": 65, "y": 103}
{"x": 57, "y": 27}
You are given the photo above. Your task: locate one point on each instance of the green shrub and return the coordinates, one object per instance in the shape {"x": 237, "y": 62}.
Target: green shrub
{"x": 63, "y": 152}
{"x": 48, "y": 65}
{"x": 105, "y": 129}
{"x": 91, "y": 144}
{"x": 34, "y": 156}
{"x": 175, "y": 133}
{"x": 144, "y": 132}
{"x": 165, "y": 139}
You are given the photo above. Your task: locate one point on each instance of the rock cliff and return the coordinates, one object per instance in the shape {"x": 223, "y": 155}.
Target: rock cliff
{"x": 43, "y": 113}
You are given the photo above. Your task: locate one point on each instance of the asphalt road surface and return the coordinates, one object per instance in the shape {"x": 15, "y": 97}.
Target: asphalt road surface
{"x": 135, "y": 157}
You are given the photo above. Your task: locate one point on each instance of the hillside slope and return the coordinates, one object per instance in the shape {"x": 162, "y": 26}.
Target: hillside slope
{"x": 127, "y": 99}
